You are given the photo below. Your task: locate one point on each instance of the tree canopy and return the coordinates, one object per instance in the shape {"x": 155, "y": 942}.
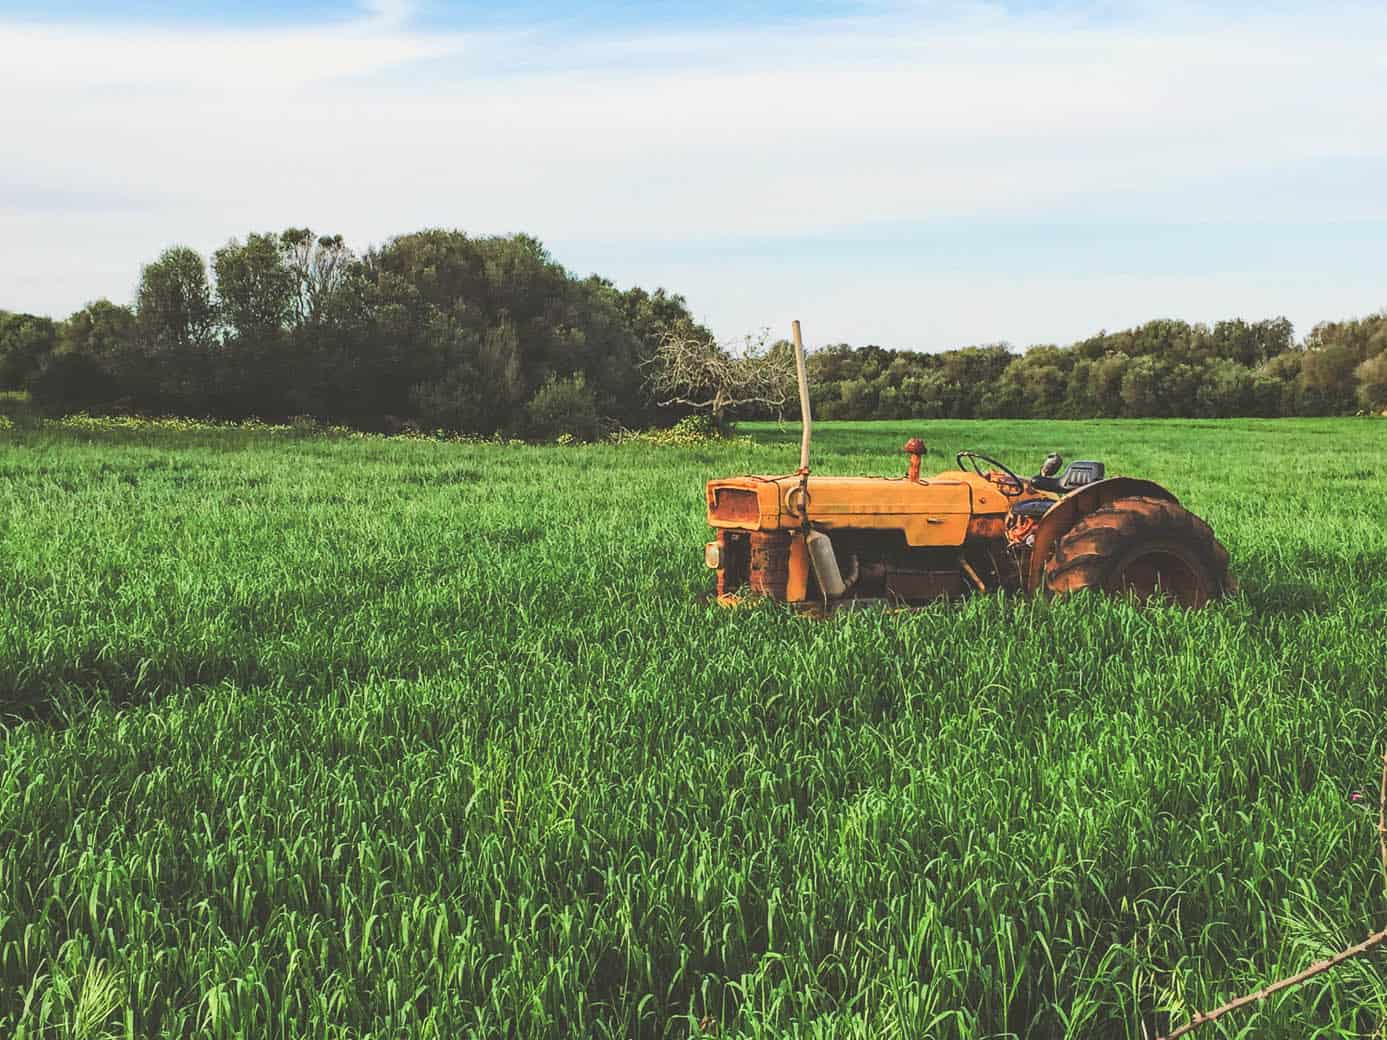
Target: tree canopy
{"x": 437, "y": 328}
{"x": 1164, "y": 368}
{"x": 487, "y": 335}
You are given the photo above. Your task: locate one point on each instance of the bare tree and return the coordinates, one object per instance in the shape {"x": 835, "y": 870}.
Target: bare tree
{"x": 691, "y": 368}
{"x": 317, "y": 265}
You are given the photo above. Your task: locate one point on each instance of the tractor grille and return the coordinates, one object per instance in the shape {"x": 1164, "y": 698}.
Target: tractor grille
{"x": 735, "y": 505}
{"x": 770, "y": 563}
{"x": 757, "y": 559}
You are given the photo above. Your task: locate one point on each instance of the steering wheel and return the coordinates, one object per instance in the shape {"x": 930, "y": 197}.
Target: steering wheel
{"x": 1008, "y": 483}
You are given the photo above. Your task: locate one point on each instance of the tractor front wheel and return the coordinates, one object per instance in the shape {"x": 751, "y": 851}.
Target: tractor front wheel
{"x": 1142, "y": 547}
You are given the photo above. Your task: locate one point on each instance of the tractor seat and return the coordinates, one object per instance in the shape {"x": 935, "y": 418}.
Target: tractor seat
{"x": 1033, "y": 507}
{"x": 1081, "y": 474}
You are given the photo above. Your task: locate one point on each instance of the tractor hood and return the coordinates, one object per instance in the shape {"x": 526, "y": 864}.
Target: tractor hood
{"x": 929, "y": 512}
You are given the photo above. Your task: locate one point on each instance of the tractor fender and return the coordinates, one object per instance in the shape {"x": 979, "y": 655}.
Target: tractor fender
{"x": 1061, "y": 516}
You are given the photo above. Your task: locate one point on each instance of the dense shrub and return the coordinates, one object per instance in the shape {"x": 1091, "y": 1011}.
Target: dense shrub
{"x": 77, "y": 380}
{"x": 698, "y": 428}
{"x": 563, "y": 407}
{"x": 453, "y": 403}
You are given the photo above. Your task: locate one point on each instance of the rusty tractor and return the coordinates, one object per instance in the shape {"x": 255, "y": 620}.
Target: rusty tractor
{"x": 824, "y": 542}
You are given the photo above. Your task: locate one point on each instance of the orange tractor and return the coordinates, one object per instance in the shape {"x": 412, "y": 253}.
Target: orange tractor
{"x": 978, "y": 528}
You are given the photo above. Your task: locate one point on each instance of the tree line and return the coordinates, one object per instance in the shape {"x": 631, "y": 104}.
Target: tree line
{"x": 1161, "y": 369}
{"x": 484, "y": 335}
{"x": 438, "y": 329}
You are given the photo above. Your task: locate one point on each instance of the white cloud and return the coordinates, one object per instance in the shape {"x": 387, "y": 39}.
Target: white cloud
{"x": 49, "y": 67}
{"x": 373, "y": 127}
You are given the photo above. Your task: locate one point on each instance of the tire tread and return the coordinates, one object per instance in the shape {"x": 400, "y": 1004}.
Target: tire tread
{"x": 1084, "y": 554}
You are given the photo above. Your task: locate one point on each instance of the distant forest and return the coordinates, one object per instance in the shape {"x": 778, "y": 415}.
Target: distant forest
{"x": 441, "y": 330}
{"x": 1164, "y": 368}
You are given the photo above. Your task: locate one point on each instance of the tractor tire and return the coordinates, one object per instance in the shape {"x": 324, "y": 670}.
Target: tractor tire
{"x": 1142, "y": 547}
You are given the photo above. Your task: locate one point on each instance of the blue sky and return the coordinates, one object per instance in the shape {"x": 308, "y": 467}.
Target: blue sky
{"x": 911, "y": 173}
{"x": 432, "y": 14}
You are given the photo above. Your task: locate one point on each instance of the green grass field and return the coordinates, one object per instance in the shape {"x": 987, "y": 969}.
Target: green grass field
{"x": 319, "y": 736}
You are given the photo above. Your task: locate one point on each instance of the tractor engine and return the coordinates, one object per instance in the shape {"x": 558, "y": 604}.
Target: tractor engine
{"x": 869, "y": 565}
{"x": 906, "y": 540}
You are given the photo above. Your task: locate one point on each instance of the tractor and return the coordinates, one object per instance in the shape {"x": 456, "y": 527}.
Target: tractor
{"x": 826, "y": 542}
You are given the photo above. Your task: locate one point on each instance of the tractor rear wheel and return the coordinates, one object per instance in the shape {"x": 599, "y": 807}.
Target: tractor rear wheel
{"x": 1142, "y": 547}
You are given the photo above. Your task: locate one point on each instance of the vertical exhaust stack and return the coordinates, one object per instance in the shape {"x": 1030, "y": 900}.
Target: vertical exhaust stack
{"x": 805, "y": 421}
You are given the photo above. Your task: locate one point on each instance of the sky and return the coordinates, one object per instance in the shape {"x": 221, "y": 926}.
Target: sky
{"x": 914, "y": 174}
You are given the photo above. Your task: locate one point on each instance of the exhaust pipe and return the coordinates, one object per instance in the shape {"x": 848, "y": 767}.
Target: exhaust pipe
{"x": 825, "y": 564}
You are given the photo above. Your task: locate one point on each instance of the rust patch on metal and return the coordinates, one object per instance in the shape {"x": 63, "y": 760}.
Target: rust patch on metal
{"x": 735, "y": 505}
{"x": 1063, "y": 516}
{"x": 988, "y": 528}
{"x": 915, "y": 448}
{"x": 770, "y": 563}
{"x": 797, "y": 587}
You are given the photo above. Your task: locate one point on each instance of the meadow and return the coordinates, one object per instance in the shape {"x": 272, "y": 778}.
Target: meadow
{"x": 312, "y": 735}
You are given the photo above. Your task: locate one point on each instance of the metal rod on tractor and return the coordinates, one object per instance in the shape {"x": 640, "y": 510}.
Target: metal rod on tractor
{"x": 805, "y": 421}
{"x": 822, "y": 560}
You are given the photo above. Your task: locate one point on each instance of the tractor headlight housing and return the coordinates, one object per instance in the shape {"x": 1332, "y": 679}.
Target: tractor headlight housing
{"x": 712, "y": 555}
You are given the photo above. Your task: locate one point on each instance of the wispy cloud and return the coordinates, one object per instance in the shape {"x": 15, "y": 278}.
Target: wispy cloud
{"x": 892, "y": 117}
{"x": 67, "y": 62}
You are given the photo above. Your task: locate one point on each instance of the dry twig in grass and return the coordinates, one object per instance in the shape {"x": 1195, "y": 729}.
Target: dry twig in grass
{"x": 1319, "y": 967}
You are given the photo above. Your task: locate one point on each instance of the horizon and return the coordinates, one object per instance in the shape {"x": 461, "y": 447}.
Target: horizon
{"x": 1113, "y": 163}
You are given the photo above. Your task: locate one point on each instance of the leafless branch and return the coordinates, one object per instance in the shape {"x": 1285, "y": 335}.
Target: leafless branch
{"x": 692, "y": 369}
{"x": 769, "y": 401}
{"x": 1319, "y": 967}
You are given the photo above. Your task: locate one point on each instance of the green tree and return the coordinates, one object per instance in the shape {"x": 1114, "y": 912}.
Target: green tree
{"x": 26, "y": 341}
{"x": 1226, "y": 389}
{"x": 1333, "y": 353}
{"x": 1278, "y": 383}
{"x": 968, "y": 374}
{"x": 174, "y": 302}
{"x": 1143, "y": 387}
{"x": 1250, "y": 343}
{"x": 255, "y": 287}
{"x": 319, "y": 268}
{"x": 104, "y": 331}
{"x": 1106, "y": 378}
{"x": 1372, "y": 383}
{"x": 1034, "y": 384}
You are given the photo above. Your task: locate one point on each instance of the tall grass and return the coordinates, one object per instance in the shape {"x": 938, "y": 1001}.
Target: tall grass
{"x": 329, "y": 737}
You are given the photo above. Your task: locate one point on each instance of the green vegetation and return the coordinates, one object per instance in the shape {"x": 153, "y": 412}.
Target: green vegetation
{"x": 1160, "y": 369}
{"x": 437, "y": 330}
{"x": 341, "y": 736}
